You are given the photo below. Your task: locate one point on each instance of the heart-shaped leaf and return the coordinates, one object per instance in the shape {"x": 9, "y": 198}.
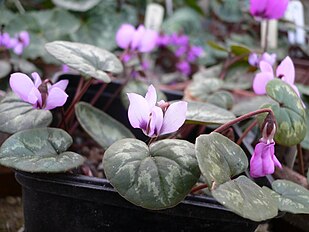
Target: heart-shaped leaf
{"x": 5, "y": 68}
{"x": 157, "y": 177}
{"x": 205, "y": 113}
{"x": 100, "y": 126}
{"x": 292, "y": 197}
{"x": 76, "y": 5}
{"x": 289, "y": 112}
{"x": 227, "y": 10}
{"x": 305, "y": 142}
{"x": 246, "y": 199}
{"x": 222, "y": 99}
{"x": 17, "y": 115}
{"x": 201, "y": 90}
{"x": 91, "y": 61}
{"x": 219, "y": 158}
{"x": 39, "y": 150}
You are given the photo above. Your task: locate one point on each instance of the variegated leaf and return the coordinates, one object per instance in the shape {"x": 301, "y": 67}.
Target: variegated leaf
{"x": 39, "y": 150}
{"x": 219, "y": 158}
{"x": 154, "y": 177}
{"x": 246, "y": 199}
{"x": 17, "y": 115}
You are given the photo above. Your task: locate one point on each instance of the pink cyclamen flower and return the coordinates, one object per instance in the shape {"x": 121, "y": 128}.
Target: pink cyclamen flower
{"x": 255, "y": 59}
{"x": 155, "y": 118}
{"x": 40, "y": 95}
{"x": 184, "y": 67}
{"x": 268, "y": 9}
{"x": 285, "y": 72}
{"x": 140, "y": 39}
{"x": 5, "y": 40}
{"x": 263, "y": 161}
{"x": 19, "y": 42}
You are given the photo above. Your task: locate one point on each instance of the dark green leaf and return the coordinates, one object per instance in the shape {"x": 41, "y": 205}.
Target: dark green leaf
{"x": 155, "y": 178}
{"x": 219, "y": 158}
{"x": 239, "y": 50}
{"x": 201, "y": 89}
{"x": 217, "y": 46}
{"x": 292, "y": 197}
{"x": 248, "y": 105}
{"x": 100, "y": 126}
{"x": 222, "y": 99}
{"x": 17, "y": 115}
{"x": 5, "y": 68}
{"x": 227, "y": 10}
{"x": 205, "y": 113}
{"x": 91, "y": 61}
{"x": 39, "y": 150}
{"x": 246, "y": 199}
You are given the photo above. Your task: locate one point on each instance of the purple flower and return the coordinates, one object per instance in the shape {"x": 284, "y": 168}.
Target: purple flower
{"x": 184, "y": 67}
{"x": 19, "y": 42}
{"x": 194, "y": 53}
{"x": 40, "y": 95}
{"x": 179, "y": 39}
{"x": 140, "y": 39}
{"x": 268, "y": 9}
{"x": 5, "y": 40}
{"x": 263, "y": 161}
{"x": 163, "y": 40}
{"x": 255, "y": 59}
{"x": 155, "y": 119}
{"x": 285, "y": 71}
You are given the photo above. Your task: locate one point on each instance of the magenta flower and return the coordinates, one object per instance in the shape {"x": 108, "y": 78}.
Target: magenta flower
{"x": 19, "y": 42}
{"x": 140, "y": 39}
{"x": 184, "y": 67}
{"x": 268, "y": 9}
{"x": 255, "y": 59}
{"x": 155, "y": 118}
{"x": 285, "y": 71}
{"x": 263, "y": 161}
{"x": 40, "y": 95}
{"x": 194, "y": 53}
{"x": 5, "y": 40}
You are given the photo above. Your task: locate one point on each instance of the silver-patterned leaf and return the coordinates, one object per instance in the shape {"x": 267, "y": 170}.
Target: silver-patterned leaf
{"x": 154, "y": 177}
{"x": 17, "y": 115}
{"x": 219, "y": 158}
{"x": 292, "y": 197}
{"x": 200, "y": 112}
{"x": 201, "y": 90}
{"x": 100, "y": 126}
{"x": 39, "y": 150}
{"x": 91, "y": 61}
{"x": 76, "y": 5}
{"x": 246, "y": 199}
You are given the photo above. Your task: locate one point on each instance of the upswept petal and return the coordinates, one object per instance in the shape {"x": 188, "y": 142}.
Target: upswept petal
{"x": 18, "y": 49}
{"x": 253, "y": 59}
{"x": 56, "y": 97}
{"x": 35, "y": 97}
{"x": 266, "y": 67}
{"x": 256, "y": 167}
{"x": 286, "y": 70}
{"x": 139, "y": 111}
{"x": 276, "y": 8}
{"x": 37, "y": 79}
{"x": 148, "y": 41}
{"x": 61, "y": 84}
{"x": 267, "y": 155}
{"x": 137, "y": 37}
{"x": 276, "y": 162}
{"x": 151, "y": 96}
{"x": 21, "y": 84}
{"x": 124, "y": 35}
{"x": 257, "y": 6}
{"x": 25, "y": 38}
{"x": 260, "y": 81}
{"x": 174, "y": 117}
{"x": 155, "y": 122}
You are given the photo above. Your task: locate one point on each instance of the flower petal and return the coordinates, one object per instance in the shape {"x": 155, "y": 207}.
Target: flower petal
{"x": 148, "y": 41}
{"x": 286, "y": 71}
{"x": 37, "y": 79}
{"x": 25, "y": 38}
{"x": 35, "y": 97}
{"x": 18, "y": 49}
{"x": 156, "y": 121}
{"x": 260, "y": 81}
{"x": 174, "y": 117}
{"x": 267, "y": 155}
{"x": 256, "y": 168}
{"x": 56, "y": 97}
{"x": 137, "y": 37}
{"x": 139, "y": 111}
{"x": 61, "y": 84}
{"x": 266, "y": 67}
{"x": 151, "y": 96}
{"x": 22, "y": 85}
{"x": 276, "y": 8}
{"x": 124, "y": 35}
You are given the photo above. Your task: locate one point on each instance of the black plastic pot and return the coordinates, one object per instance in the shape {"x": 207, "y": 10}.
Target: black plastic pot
{"x": 66, "y": 203}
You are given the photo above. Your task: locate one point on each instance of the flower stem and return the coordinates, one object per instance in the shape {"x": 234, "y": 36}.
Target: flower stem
{"x": 300, "y": 160}
{"x": 198, "y": 188}
{"x": 249, "y": 128}
{"x": 266, "y": 36}
{"x": 243, "y": 117}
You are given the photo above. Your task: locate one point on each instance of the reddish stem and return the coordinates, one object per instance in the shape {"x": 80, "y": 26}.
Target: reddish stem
{"x": 198, "y": 188}
{"x": 243, "y": 117}
{"x": 249, "y": 128}
{"x": 300, "y": 160}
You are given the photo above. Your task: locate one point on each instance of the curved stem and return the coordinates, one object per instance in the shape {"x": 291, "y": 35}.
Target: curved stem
{"x": 300, "y": 160}
{"x": 243, "y": 117}
{"x": 249, "y": 128}
{"x": 198, "y": 188}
